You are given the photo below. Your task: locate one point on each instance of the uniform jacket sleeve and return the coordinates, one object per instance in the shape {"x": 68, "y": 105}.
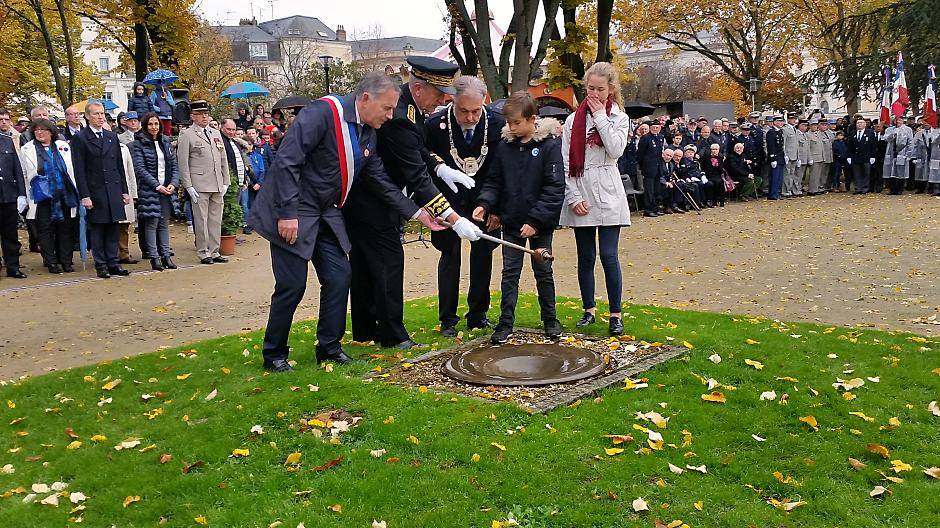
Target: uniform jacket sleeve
{"x": 407, "y": 149}
{"x": 378, "y": 181}
{"x": 546, "y": 210}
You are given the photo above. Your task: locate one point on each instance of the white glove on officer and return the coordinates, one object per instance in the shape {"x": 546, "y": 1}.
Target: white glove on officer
{"x": 453, "y": 176}
{"x": 466, "y": 229}
{"x": 917, "y": 162}
{"x": 799, "y": 164}
{"x": 193, "y": 195}
{"x": 786, "y": 159}
{"x": 810, "y": 162}
{"x": 224, "y": 189}
{"x": 849, "y": 160}
{"x": 871, "y": 161}
{"x": 21, "y": 204}
{"x": 773, "y": 164}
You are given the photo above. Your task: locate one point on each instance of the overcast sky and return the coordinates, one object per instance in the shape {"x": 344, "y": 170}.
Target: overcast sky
{"x": 417, "y": 18}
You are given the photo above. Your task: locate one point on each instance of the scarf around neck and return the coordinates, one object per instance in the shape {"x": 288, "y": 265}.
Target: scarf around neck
{"x": 580, "y": 139}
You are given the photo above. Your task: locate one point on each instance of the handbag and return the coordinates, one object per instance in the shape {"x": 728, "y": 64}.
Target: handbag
{"x": 40, "y": 188}
{"x": 730, "y": 185}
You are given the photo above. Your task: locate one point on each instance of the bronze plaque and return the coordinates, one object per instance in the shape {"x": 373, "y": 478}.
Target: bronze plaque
{"x": 526, "y": 364}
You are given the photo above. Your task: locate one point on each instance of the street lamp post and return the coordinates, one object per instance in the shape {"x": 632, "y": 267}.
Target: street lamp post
{"x": 753, "y": 87}
{"x": 326, "y": 61}
{"x": 807, "y": 96}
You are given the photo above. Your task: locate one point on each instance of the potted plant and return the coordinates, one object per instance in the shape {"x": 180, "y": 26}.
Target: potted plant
{"x": 231, "y": 217}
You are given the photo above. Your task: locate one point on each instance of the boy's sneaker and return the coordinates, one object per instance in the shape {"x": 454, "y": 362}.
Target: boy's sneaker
{"x": 501, "y": 334}
{"x": 552, "y": 329}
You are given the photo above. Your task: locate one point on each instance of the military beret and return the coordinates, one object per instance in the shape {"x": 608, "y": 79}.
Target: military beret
{"x": 199, "y": 106}
{"x": 436, "y": 72}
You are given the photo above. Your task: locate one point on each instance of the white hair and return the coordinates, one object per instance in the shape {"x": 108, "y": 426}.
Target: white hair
{"x": 375, "y": 83}
{"x": 470, "y": 83}
{"x": 716, "y": 122}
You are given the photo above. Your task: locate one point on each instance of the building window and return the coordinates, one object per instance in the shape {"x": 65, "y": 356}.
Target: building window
{"x": 104, "y": 64}
{"x": 260, "y": 72}
{"x": 258, "y": 50}
{"x": 293, "y": 32}
{"x": 107, "y": 96}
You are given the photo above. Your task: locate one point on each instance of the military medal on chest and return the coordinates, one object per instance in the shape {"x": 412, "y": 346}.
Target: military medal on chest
{"x": 469, "y": 165}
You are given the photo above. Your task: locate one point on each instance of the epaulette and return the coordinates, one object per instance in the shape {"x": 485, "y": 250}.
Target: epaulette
{"x": 411, "y": 114}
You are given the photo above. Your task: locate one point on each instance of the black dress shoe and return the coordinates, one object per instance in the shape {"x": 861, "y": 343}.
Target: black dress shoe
{"x": 552, "y": 329}
{"x": 207, "y": 260}
{"x": 220, "y": 259}
{"x": 16, "y": 274}
{"x": 651, "y": 214}
{"x": 586, "y": 319}
{"x": 103, "y": 273}
{"x": 129, "y": 260}
{"x": 168, "y": 263}
{"x": 500, "y": 334}
{"x": 119, "y": 271}
{"x": 156, "y": 264}
{"x": 55, "y": 269}
{"x": 278, "y": 365}
{"x": 68, "y": 268}
{"x": 449, "y": 331}
{"x": 405, "y": 345}
{"x": 481, "y": 324}
{"x": 339, "y": 357}
{"x": 615, "y": 326}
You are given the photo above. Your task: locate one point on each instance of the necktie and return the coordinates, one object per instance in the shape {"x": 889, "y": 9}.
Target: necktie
{"x": 206, "y": 132}
{"x": 468, "y": 135}
{"x": 859, "y": 136}
{"x": 98, "y": 135}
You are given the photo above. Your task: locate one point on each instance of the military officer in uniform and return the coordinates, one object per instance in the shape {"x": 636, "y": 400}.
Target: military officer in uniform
{"x": 791, "y": 158}
{"x": 776, "y": 158}
{"x": 12, "y": 199}
{"x": 462, "y": 136}
{"x": 204, "y": 174}
{"x": 758, "y": 135}
{"x": 377, "y": 258}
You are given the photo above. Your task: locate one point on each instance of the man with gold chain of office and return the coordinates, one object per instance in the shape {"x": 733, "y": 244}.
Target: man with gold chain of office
{"x": 464, "y": 136}
{"x": 377, "y": 258}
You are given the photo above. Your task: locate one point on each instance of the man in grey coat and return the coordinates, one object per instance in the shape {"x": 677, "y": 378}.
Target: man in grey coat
{"x": 791, "y": 157}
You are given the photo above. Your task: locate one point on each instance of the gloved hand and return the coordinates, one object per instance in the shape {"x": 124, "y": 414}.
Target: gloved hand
{"x": 466, "y": 229}
{"x": 917, "y": 162}
{"x": 224, "y": 189}
{"x": 871, "y": 161}
{"x": 453, "y": 176}
{"x": 848, "y": 160}
{"x": 799, "y": 164}
{"x": 810, "y": 162}
{"x": 193, "y": 195}
{"x": 773, "y": 164}
{"x": 786, "y": 159}
{"x": 21, "y": 204}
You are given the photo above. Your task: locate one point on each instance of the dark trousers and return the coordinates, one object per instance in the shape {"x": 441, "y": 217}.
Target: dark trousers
{"x": 649, "y": 193}
{"x": 448, "y": 277}
{"x": 896, "y": 186}
{"x": 715, "y": 191}
{"x": 877, "y": 182}
{"x": 861, "y": 174}
{"x": 9, "y": 238}
{"x": 512, "y": 269}
{"x": 55, "y": 238}
{"x": 156, "y": 235}
{"x": 776, "y": 181}
{"x": 377, "y": 300}
{"x": 587, "y": 240}
{"x": 104, "y": 240}
{"x": 290, "y": 282}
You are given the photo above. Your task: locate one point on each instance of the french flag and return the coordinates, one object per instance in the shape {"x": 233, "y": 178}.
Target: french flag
{"x": 899, "y": 97}
{"x": 930, "y": 99}
{"x": 885, "y": 116}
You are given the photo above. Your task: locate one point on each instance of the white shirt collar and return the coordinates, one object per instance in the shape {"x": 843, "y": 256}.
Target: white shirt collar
{"x": 96, "y": 130}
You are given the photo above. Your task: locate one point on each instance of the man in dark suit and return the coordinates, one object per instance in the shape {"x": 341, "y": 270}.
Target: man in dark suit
{"x": 12, "y": 198}
{"x": 775, "y": 158}
{"x": 73, "y": 123}
{"x": 299, "y": 209}
{"x": 377, "y": 258}
{"x": 649, "y": 152}
{"x": 102, "y": 186}
{"x": 863, "y": 147}
{"x": 464, "y": 137}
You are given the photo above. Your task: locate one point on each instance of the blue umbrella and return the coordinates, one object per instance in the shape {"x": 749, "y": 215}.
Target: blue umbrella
{"x": 244, "y": 90}
{"x": 160, "y": 75}
{"x": 82, "y": 234}
{"x": 108, "y": 105}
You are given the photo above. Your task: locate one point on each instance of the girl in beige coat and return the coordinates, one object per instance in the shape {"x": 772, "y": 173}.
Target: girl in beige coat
{"x": 594, "y": 137}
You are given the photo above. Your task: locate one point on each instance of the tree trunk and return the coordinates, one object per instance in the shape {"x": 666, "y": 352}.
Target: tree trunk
{"x": 573, "y": 61}
{"x": 484, "y": 46}
{"x": 69, "y": 54}
{"x": 551, "y": 13}
{"x": 525, "y": 11}
{"x": 141, "y": 52}
{"x": 60, "y": 88}
{"x": 506, "y": 47}
{"x": 604, "y": 10}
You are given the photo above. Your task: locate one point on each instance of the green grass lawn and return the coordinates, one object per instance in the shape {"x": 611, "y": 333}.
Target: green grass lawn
{"x": 554, "y": 470}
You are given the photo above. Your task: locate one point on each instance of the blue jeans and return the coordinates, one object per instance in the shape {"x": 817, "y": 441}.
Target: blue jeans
{"x": 244, "y": 200}
{"x": 608, "y": 238}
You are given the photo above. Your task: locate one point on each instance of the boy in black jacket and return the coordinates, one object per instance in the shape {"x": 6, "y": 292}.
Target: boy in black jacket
{"x": 524, "y": 194}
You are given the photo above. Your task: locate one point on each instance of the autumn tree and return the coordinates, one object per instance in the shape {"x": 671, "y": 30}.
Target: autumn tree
{"x": 207, "y": 67}
{"x": 744, "y": 39}
{"x": 24, "y": 70}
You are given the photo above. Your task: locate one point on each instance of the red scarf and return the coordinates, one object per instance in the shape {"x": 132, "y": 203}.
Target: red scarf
{"x": 580, "y": 139}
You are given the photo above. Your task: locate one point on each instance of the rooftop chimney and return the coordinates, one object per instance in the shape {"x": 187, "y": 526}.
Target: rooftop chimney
{"x": 340, "y": 33}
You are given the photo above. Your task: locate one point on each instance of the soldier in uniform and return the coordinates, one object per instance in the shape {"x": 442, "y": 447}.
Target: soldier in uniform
{"x": 377, "y": 258}
{"x": 817, "y": 174}
{"x": 827, "y": 137}
{"x": 791, "y": 155}
{"x": 803, "y": 167}
{"x": 461, "y": 137}
{"x": 776, "y": 158}
{"x": 757, "y": 135}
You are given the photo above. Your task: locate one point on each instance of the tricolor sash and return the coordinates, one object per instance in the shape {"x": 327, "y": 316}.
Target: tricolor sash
{"x": 346, "y": 146}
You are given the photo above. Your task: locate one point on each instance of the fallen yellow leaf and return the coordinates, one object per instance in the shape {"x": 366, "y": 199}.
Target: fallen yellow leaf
{"x": 184, "y": 376}
{"x": 336, "y": 508}
{"x": 131, "y": 499}
{"x": 498, "y": 446}
{"x": 292, "y": 459}
{"x": 99, "y": 438}
{"x": 697, "y": 505}
{"x": 898, "y": 466}
{"x": 111, "y": 384}
{"x": 475, "y": 457}
{"x": 933, "y": 472}
{"x": 239, "y": 453}
{"x": 201, "y": 520}
{"x": 688, "y": 345}
{"x": 810, "y": 421}
{"x": 878, "y": 449}
{"x": 74, "y": 445}
{"x": 862, "y": 416}
{"x": 756, "y": 364}
{"x": 751, "y": 341}
{"x": 611, "y": 451}
{"x": 715, "y": 397}
{"x": 414, "y": 440}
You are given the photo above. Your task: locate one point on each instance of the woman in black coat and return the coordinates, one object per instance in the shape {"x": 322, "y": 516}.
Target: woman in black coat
{"x": 157, "y": 179}
{"x": 713, "y": 167}
{"x": 739, "y": 169}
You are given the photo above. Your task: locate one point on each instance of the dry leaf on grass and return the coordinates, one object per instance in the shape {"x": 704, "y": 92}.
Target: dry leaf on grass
{"x": 714, "y": 397}
{"x": 856, "y": 464}
{"x": 640, "y": 505}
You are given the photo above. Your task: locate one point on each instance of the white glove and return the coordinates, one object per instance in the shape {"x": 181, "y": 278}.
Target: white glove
{"x": 917, "y": 162}
{"x": 773, "y": 164}
{"x": 466, "y": 229}
{"x": 810, "y": 162}
{"x": 452, "y": 176}
{"x": 193, "y": 195}
{"x": 799, "y": 164}
{"x": 786, "y": 159}
{"x": 871, "y": 161}
{"x": 848, "y": 160}
{"x": 21, "y": 204}
{"x": 224, "y": 189}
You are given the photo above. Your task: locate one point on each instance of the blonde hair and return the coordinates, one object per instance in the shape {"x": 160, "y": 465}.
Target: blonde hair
{"x": 609, "y": 72}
